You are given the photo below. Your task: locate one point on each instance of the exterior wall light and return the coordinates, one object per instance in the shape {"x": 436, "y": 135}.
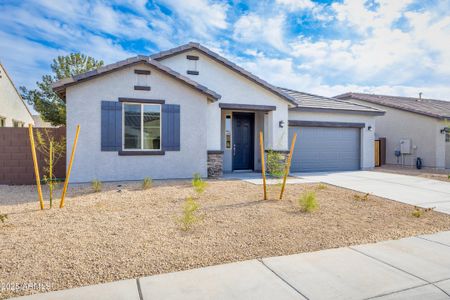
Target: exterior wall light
{"x": 281, "y": 124}
{"x": 445, "y": 130}
{"x": 369, "y": 128}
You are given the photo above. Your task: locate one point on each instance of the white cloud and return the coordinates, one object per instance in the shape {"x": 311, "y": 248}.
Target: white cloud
{"x": 253, "y": 28}
{"x": 294, "y": 5}
{"x": 200, "y": 16}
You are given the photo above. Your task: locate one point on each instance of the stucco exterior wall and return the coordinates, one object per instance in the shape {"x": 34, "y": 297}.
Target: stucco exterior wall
{"x": 427, "y": 141}
{"x": 11, "y": 105}
{"x": 84, "y": 108}
{"x": 367, "y": 137}
{"x": 233, "y": 88}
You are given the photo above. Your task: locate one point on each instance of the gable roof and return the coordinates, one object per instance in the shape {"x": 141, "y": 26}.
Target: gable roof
{"x": 439, "y": 109}
{"x": 60, "y": 86}
{"x": 222, "y": 60}
{"x": 17, "y": 92}
{"x": 311, "y": 102}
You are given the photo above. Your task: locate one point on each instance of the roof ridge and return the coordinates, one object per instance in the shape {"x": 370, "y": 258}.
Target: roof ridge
{"x": 400, "y": 97}
{"x": 332, "y": 98}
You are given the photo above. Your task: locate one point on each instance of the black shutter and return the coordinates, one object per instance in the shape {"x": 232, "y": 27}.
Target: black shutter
{"x": 111, "y": 131}
{"x": 170, "y": 127}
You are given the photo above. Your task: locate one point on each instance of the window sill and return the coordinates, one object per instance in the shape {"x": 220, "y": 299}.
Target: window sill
{"x": 137, "y": 153}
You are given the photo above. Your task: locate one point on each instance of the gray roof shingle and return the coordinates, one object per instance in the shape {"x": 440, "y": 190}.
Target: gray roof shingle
{"x": 183, "y": 48}
{"x": 60, "y": 86}
{"x": 306, "y": 101}
{"x": 429, "y": 107}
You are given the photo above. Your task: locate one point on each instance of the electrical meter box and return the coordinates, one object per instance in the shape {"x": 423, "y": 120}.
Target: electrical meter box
{"x": 405, "y": 146}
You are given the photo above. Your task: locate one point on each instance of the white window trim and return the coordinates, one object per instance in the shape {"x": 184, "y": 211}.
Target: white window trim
{"x": 142, "y": 126}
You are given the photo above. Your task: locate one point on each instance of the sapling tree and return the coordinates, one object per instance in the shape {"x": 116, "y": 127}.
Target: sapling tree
{"x": 53, "y": 150}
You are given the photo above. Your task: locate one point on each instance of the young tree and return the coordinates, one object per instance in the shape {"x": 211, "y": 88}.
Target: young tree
{"x": 45, "y": 101}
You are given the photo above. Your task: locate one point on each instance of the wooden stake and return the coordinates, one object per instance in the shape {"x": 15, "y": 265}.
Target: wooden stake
{"x": 36, "y": 168}
{"x": 288, "y": 165}
{"x": 66, "y": 182}
{"x": 263, "y": 169}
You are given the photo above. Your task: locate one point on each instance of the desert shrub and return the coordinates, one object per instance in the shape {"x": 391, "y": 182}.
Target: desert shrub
{"x": 308, "y": 202}
{"x": 358, "y": 197}
{"x": 448, "y": 176}
{"x": 147, "y": 183}
{"x": 189, "y": 215}
{"x": 418, "y": 212}
{"x": 3, "y": 217}
{"x": 96, "y": 185}
{"x": 53, "y": 150}
{"x": 198, "y": 184}
{"x": 275, "y": 164}
{"x": 322, "y": 186}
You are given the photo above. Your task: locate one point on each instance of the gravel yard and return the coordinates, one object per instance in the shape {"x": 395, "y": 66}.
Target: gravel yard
{"x": 442, "y": 175}
{"x": 125, "y": 232}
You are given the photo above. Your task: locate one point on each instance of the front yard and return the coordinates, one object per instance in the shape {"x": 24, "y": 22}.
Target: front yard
{"x": 126, "y": 232}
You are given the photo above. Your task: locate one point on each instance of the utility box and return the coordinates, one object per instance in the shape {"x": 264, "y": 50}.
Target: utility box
{"x": 405, "y": 146}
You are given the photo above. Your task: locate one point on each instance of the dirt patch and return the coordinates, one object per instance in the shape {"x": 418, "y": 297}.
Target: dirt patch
{"x": 441, "y": 175}
{"x": 124, "y": 232}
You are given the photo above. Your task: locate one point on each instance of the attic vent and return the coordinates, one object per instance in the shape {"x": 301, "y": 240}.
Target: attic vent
{"x": 192, "y": 64}
{"x": 142, "y": 80}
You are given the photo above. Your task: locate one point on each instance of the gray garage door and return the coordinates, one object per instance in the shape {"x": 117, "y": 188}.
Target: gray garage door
{"x": 325, "y": 149}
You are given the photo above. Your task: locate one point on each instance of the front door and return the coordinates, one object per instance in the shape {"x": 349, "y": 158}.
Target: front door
{"x": 243, "y": 136}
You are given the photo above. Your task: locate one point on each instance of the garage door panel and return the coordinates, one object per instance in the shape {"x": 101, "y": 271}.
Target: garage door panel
{"x": 325, "y": 149}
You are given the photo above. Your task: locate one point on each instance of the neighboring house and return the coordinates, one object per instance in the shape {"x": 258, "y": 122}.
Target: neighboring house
{"x": 38, "y": 122}
{"x": 13, "y": 111}
{"x": 189, "y": 110}
{"x": 414, "y": 127}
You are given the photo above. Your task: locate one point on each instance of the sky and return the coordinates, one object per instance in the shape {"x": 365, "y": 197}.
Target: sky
{"x": 398, "y": 47}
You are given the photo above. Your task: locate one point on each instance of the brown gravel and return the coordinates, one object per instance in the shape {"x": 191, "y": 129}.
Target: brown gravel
{"x": 442, "y": 175}
{"x": 111, "y": 235}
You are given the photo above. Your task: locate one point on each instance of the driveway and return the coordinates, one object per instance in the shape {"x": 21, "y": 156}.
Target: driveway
{"x": 412, "y": 190}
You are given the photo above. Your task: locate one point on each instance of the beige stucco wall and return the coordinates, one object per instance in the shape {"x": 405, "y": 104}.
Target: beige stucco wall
{"x": 84, "y": 108}
{"x": 367, "y": 137}
{"x": 11, "y": 105}
{"x": 427, "y": 141}
{"x": 233, "y": 88}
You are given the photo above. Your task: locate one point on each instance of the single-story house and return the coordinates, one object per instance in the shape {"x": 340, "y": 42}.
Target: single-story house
{"x": 413, "y": 127}
{"x": 189, "y": 110}
{"x": 13, "y": 111}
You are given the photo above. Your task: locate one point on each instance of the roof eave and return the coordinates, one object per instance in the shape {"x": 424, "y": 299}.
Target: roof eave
{"x": 60, "y": 87}
{"x": 187, "y": 47}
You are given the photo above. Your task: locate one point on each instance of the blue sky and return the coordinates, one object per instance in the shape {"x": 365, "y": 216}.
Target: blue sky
{"x": 399, "y": 47}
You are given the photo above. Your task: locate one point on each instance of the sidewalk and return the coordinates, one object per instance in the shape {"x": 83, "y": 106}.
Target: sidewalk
{"x": 410, "y": 268}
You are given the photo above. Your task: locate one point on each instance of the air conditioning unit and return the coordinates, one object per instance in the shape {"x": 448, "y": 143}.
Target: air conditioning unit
{"x": 405, "y": 146}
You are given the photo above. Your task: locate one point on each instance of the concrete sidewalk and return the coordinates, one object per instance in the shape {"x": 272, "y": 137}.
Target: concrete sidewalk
{"x": 412, "y": 190}
{"x": 410, "y": 268}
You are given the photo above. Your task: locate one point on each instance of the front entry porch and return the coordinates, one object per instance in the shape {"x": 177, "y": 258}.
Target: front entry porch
{"x": 240, "y": 137}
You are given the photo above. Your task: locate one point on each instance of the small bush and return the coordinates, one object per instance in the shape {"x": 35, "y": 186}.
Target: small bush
{"x": 322, "y": 186}
{"x": 361, "y": 198}
{"x": 3, "y": 217}
{"x": 189, "y": 216}
{"x": 96, "y": 185}
{"x": 198, "y": 184}
{"x": 308, "y": 202}
{"x": 275, "y": 164}
{"x": 418, "y": 212}
{"x": 147, "y": 183}
{"x": 448, "y": 176}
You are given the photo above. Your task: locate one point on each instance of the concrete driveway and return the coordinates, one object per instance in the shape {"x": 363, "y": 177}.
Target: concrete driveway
{"x": 412, "y": 190}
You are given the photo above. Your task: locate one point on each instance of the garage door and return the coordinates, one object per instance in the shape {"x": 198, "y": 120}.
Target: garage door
{"x": 325, "y": 149}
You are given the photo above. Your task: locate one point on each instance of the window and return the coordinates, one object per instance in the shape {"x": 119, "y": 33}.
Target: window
{"x": 2, "y": 122}
{"x": 228, "y": 131}
{"x": 142, "y": 126}
{"x": 447, "y": 137}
